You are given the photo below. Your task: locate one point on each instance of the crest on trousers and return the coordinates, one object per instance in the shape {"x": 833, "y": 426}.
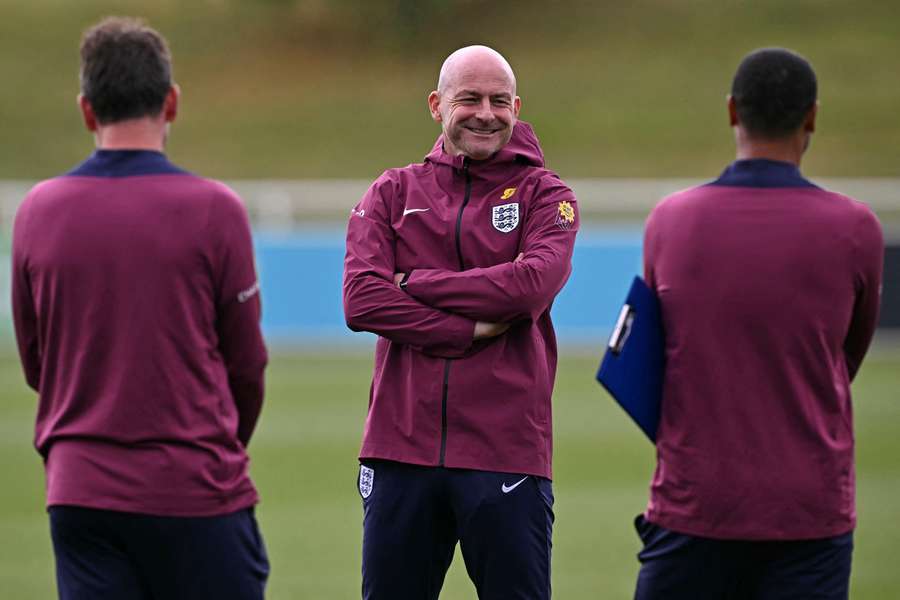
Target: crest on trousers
{"x": 505, "y": 217}
{"x": 366, "y": 481}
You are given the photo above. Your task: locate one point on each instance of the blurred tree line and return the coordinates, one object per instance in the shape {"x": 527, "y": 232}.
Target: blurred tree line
{"x": 336, "y": 88}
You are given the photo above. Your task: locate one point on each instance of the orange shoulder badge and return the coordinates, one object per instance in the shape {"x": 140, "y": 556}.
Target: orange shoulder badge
{"x": 565, "y": 214}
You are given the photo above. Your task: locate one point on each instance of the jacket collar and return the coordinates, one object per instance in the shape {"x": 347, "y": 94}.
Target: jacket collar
{"x": 125, "y": 163}
{"x": 762, "y": 173}
{"x": 523, "y": 148}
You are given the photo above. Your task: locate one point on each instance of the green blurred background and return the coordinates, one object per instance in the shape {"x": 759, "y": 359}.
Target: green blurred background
{"x": 317, "y": 89}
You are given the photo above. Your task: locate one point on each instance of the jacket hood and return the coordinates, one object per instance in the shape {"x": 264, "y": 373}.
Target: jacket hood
{"x": 523, "y": 148}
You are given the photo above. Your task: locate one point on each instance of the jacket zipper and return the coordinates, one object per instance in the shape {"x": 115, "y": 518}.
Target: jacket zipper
{"x": 444, "y": 411}
{"x": 462, "y": 267}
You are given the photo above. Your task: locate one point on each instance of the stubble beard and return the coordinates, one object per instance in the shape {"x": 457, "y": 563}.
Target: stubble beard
{"x": 458, "y": 139}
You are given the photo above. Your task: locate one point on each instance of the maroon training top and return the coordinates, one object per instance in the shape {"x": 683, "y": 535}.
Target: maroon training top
{"x": 769, "y": 289}
{"x": 456, "y": 227}
{"x": 137, "y": 317}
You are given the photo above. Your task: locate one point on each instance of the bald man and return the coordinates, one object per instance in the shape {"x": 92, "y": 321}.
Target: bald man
{"x": 454, "y": 264}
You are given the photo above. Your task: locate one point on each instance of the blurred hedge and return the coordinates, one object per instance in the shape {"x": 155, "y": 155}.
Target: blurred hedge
{"x": 319, "y": 88}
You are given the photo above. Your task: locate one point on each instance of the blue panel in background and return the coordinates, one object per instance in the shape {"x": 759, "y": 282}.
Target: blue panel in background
{"x": 300, "y": 274}
{"x": 603, "y": 265}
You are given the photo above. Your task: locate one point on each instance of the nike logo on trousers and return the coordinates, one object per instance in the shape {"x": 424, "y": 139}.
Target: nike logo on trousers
{"x": 508, "y": 488}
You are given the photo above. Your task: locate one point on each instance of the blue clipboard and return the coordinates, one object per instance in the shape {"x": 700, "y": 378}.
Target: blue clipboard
{"x": 632, "y": 368}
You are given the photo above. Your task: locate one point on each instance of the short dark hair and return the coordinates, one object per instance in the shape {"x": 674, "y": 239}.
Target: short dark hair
{"x": 773, "y": 90}
{"x": 126, "y": 69}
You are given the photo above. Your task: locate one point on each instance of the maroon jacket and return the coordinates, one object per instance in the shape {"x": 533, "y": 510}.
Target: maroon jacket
{"x": 457, "y": 226}
{"x": 137, "y": 318}
{"x": 769, "y": 288}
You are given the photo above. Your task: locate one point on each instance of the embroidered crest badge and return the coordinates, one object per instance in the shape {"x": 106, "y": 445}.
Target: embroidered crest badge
{"x": 565, "y": 215}
{"x": 505, "y": 217}
{"x": 366, "y": 481}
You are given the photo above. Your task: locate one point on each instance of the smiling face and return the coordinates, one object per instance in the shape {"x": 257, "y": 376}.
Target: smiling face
{"x": 475, "y": 103}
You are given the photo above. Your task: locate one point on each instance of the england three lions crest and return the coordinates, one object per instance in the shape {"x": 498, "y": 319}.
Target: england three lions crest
{"x": 505, "y": 217}
{"x": 366, "y": 480}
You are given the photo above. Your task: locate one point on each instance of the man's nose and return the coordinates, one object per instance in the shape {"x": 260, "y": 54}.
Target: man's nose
{"x": 485, "y": 113}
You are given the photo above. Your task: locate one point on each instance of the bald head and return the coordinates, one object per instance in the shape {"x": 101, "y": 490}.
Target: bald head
{"x": 475, "y": 102}
{"x": 465, "y": 60}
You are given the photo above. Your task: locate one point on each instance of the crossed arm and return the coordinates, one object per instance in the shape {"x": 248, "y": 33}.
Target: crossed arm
{"x": 442, "y": 311}
{"x": 373, "y": 302}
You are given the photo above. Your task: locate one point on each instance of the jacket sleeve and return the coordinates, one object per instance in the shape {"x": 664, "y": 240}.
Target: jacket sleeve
{"x": 517, "y": 290}
{"x": 238, "y": 311}
{"x": 869, "y": 261}
{"x": 23, "y": 309}
{"x": 373, "y": 302}
{"x": 650, "y": 252}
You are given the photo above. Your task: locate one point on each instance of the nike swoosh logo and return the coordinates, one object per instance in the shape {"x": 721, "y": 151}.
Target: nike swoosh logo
{"x": 508, "y": 488}
{"x": 412, "y": 210}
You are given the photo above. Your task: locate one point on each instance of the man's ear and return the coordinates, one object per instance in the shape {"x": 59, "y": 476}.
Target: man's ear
{"x": 809, "y": 123}
{"x": 434, "y": 106}
{"x": 170, "y": 104}
{"x": 517, "y": 106}
{"x": 87, "y": 113}
{"x": 732, "y": 111}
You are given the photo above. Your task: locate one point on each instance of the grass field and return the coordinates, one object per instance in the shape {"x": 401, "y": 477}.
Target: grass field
{"x": 304, "y": 464}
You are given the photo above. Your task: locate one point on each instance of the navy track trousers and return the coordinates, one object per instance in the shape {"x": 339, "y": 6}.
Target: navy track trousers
{"x": 128, "y": 556}
{"x": 415, "y": 515}
{"x": 677, "y": 566}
